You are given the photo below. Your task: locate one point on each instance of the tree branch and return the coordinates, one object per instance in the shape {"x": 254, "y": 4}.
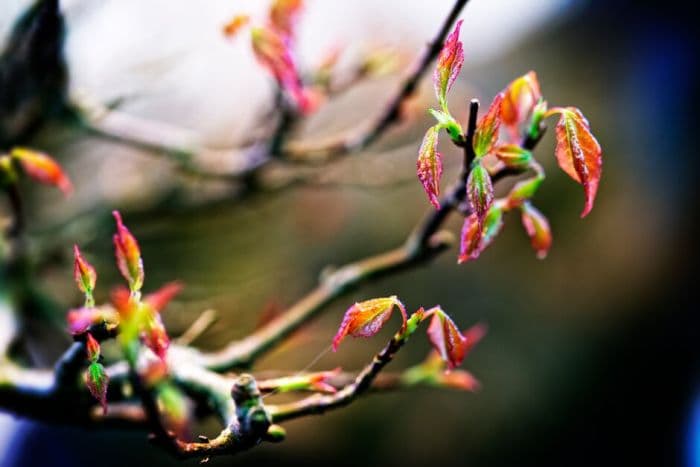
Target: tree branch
{"x": 242, "y": 353}
{"x": 318, "y": 404}
{"x": 390, "y": 115}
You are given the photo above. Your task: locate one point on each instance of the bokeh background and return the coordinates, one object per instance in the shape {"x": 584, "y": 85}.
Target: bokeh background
{"x": 592, "y": 355}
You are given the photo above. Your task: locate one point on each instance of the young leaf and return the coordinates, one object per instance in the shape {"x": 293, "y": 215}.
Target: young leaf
{"x": 83, "y": 272}
{"x": 92, "y": 348}
{"x": 458, "y": 379}
{"x": 432, "y": 372}
{"x": 449, "y": 64}
{"x": 154, "y": 335}
{"x": 42, "y": 168}
{"x": 473, "y": 335}
{"x": 174, "y": 408}
{"x": 493, "y": 223}
{"x": 470, "y": 239}
{"x": 97, "y": 380}
{"x": 235, "y": 25}
{"x": 429, "y": 165}
{"x": 486, "y": 134}
{"x": 537, "y": 228}
{"x": 513, "y": 156}
{"x": 318, "y": 382}
{"x": 519, "y": 99}
{"x": 272, "y": 49}
{"x": 365, "y": 319}
{"x": 284, "y": 14}
{"x": 523, "y": 191}
{"x": 446, "y": 338}
{"x": 479, "y": 191}
{"x": 475, "y": 240}
{"x": 578, "y": 152}
{"x": 128, "y": 255}
{"x": 159, "y": 299}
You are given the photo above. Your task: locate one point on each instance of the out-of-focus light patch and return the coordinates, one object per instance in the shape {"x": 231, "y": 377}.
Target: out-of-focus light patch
{"x": 172, "y": 57}
{"x": 170, "y": 61}
{"x": 693, "y": 435}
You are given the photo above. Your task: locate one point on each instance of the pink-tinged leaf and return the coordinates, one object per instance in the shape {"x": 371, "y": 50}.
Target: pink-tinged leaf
{"x": 81, "y": 319}
{"x": 537, "y": 228}
{"x": 128, "y": 255}
{"x": 320, "y": 381}
{"x": 474, "y": 239}
{"x": 92, "y": 348}
{"x": 446, "y": 338}
{"x": 83, "y": 272}
{"x": 578, "y": 152}
{"x": 520, "y": 97}
{"x": 123, "y": 302}
{"x": 473, "y": 336}
{"x": 317, "y": 382}
{"x": 42, "y": 168}
{"x": 458, "y": 379}
{"x": 154, "y": 335}
{"x": 493, "y": 223}
{"x": 523, "y": 190}
{"x": 272, "y": 49}
{"x": 365, "y": 319}
{"x": 97, "y": 381}
{"x": 449, "y": 64}
{"x": 479, "y": 191}
{"x": 486, "y": 134}
{"x": 429, "y": 165}
{"x": 284, "y": 15}
{"x": 232, "y": 28}
{"x": 513, "y": 156}
{"x": 470, "y": 239}
{"x": 159, "y": 299}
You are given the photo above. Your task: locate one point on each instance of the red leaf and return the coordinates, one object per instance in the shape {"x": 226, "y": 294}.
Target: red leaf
{"x": 154, "y": 335}
{"x": 537, "y": 229}
{"x": 365, "y": 319}
{"x": 479, "y": 191}
{"x": 449, "y": 64}
{"x": 486, "y": 134}
{"x": 476, "y": 238}
{"x": 159, "y": 299}
{"x": 42, "y": 168}
{"x": 470, "y": 240}
{"x": 513, "y": 156}
{"x": 234, "y": 26}
{"x": 578, "y": 152}
{"x": 446, "y": 338}
{"x": 92, "y": 348}
{"x": 320, "y": 381}
{"x": 473, "y": 335}
{"x": 83, "y": 272}
{"x": 429, "y": 165}
{"x": 272, "y": 50}
{"x": 519, "y": 99}
{"x": 97, "y": 380}
{"x": 284, "y": 14}
{"x": 459, "y": 379}
{"x": 128, "y": 254}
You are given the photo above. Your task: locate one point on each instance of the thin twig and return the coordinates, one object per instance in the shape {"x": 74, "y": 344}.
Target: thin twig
{"x": 390, "y": 115}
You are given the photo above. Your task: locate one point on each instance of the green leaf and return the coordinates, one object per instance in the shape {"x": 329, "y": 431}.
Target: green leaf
{"x": 96, "y": 380}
